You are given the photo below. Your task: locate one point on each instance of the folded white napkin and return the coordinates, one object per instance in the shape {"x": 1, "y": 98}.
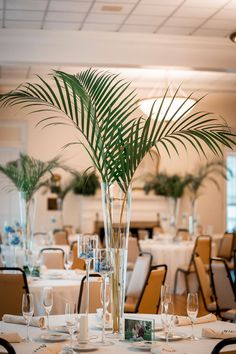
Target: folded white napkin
{"x": 34, "y": 322}
{"x": 185, "y": 321}
{"x": 12, "y": 337}
{"x": 212, "y": 333}
{"x": 49, "y": 349}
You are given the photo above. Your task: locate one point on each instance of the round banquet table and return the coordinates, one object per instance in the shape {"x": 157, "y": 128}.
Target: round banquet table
{"x": 184, "y": 346}
{"x": 173, "y": 254}
{"x": 65, "y": 286}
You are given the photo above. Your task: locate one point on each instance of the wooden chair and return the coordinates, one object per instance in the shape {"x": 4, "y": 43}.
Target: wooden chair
{"x": 78, "y": 263}
{"x": 60, "y": 237}
{"x": 224, "y": 289}
{"x": 94, "y": 294}
{"x": 203, "y": 248}
{"x": 205, "y": 285}
{"x": 223, "y": 343}
{"x": 137, "y": 281}
{"x": 183, "y": 234}
{"x": 52, "y": 257}
{"x": 150, "y": 298}
{"x": 13, "y": 284}
{"x": 7, "y": 346}
{"x": 226, "y": 246}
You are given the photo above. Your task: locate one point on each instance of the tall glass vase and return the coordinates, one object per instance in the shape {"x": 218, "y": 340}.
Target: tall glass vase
{"x": 117, "y": 212}
{"x": 27, "y": 217}
{"x": 174, "y": 204}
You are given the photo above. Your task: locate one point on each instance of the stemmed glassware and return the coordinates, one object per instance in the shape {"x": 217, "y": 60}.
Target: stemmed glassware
{"x": 107, "y": 297}
{"x": 165, "y": 294}
{"x": 27, "y": 310}
{"x": 87, "y": 244}
{"x": 71, "y": 318}
{"x": 167, "y": 319}
{"x": 192, "y": 310}
{"x": 48, "y": 302}
{"x": 68, "y": 260}
{"x": 103, "y": 265}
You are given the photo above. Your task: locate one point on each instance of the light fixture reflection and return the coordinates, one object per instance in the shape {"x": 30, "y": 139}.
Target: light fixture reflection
{"x": 146, "y": 105}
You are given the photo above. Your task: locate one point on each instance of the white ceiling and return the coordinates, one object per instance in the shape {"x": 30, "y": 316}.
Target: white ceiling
{"x": 168, "y": 19}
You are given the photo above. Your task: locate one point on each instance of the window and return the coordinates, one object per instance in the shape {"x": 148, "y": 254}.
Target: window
{"x": 231, "y": 194}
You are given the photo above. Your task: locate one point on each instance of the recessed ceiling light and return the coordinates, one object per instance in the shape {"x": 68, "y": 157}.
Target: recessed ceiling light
{"x": 111, "y": 8}
{"x": 233, "y": 37}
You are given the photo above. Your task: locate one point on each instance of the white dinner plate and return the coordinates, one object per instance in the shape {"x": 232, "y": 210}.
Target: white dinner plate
{"x": 144, "y": 346}
{"x": 176, "y": 336}
{"x": 54, "y": 337}
{"x": 84, "y": 347}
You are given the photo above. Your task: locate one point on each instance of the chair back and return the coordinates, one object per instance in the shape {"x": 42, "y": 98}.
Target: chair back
{"x": 60, "y": 237}
{"x": 133, "y": 249}
{"x": 139, "y": 277}
{"x": 183, "y": 234}
{"x": 150, "y": 299}
{"x": 223, "y": 287}
{"x": 143, "y": 234}
{"x": 69, "y": 229}
{"x": 203, "y": 248}
{"x": 13, "y": 284}
{"x": 52, "y": 258}
{"x": 223, "y": 343}
{"x": 78, "y": 263}
{"x": 226, "y": 246}
{"x": 94, "y": 293}
{"x": 40, "y": 238}
{"x": 204, "y": 281}
{"x": 7, "y": 346}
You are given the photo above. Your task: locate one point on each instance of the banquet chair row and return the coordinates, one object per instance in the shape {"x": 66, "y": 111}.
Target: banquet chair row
{"x": 52, "y": 258}
{"x": 202, "y": 247}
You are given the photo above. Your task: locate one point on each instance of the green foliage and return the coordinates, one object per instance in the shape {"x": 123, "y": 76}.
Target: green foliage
{"x": 100, "y": 105}
{"x": 28, "y": 174}
{"x": 86, "y": 184}
{"x": 206, "y": 173}
{"x": 168, "y": 186}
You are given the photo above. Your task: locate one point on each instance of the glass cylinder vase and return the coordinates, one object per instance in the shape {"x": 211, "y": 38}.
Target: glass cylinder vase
{"x": 117, "y": 212}
{"x": 27, "y": 217}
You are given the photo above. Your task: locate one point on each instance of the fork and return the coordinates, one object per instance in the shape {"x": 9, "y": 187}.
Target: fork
{"x": 40, "y": 347}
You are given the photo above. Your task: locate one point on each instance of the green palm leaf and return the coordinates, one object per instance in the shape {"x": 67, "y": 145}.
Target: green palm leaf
{"x": 100, "y": 106}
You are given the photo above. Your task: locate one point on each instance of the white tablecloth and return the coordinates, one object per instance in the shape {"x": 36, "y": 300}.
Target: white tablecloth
{"x": 171, "y": 254}
{"x": 203, "y": 346}
{"x": 65, "y": 286}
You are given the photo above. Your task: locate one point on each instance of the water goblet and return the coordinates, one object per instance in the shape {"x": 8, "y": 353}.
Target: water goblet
{"x": 27, "y": 310}
{"x": 192, "y": 310}
{"x": 48, "y": 302}
{"x": 103, "y": 265}
{"x": 86, "y": 246}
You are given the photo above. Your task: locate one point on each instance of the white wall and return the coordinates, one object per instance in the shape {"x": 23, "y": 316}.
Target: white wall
{"x": 47, "y": 143}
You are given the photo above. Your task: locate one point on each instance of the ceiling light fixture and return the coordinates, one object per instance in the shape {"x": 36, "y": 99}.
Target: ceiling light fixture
{"x": 180, "y": 104}
{"x": 233, "y": 37}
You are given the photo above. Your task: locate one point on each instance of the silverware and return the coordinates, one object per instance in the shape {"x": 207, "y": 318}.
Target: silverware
{"x": 39, "y": 348}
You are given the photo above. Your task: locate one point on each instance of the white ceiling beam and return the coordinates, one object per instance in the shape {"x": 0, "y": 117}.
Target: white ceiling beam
{"x": 41, "y": 47}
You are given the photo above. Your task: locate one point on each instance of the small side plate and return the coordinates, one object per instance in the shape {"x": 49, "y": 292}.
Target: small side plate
{"x": 54, "y": 337}
{"x": 176, "y": 336}
{"x": 87, "y": 347}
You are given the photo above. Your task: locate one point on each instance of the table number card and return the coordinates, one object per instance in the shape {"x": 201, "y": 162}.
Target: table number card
{"x": 138, "y": 329}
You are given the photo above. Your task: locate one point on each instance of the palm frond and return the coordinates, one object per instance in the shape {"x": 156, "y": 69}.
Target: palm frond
{"x": 100, "y": 105}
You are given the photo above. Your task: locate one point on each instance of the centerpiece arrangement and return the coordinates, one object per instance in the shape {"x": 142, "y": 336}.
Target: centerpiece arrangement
{"x": 105, "y": 111}
{"x": 27, "y": 175}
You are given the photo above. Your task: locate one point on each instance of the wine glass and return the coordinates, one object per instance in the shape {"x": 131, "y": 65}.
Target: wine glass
{"x": 165, "y": 294}
{"x": 48, "y": 302}
{"x": 27, "y": 310}
{"x": 31, "y": 262}
{"x": 167, "y": 319}
{"x": 107, "y": 297}
{"x": 86, "y": 246}
{"x": 71, "y": 318}
{"x": 103, "y": 265}
{"x": 192, "y": 310}
{"x": 68, "y": 260}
